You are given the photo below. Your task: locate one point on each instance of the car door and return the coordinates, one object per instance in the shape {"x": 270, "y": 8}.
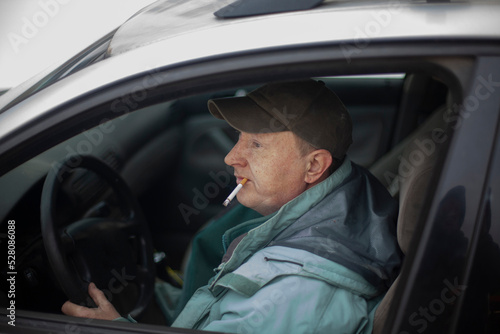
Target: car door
{"x": 452, "y": 286}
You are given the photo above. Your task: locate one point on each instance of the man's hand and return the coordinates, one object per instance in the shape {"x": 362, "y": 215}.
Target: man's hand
{"x": 105, "y": 310}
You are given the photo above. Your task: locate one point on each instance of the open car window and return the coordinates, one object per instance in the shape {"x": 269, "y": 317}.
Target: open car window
{"x": 171, "y": 156}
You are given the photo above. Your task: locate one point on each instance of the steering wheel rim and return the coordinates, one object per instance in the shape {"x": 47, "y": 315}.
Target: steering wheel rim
{"x": 125, "y": 244}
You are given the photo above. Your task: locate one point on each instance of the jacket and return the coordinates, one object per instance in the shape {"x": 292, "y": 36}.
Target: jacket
{"x": 320, "y": 264}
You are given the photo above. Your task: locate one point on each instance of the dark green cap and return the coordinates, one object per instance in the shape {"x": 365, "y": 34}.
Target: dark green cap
{"x": 307, "y": 108}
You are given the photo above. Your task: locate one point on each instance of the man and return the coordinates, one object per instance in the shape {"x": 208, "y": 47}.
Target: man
{"x": 324, "y": 253}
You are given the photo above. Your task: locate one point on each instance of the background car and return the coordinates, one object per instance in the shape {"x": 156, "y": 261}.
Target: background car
{"x": 420, "y": 80}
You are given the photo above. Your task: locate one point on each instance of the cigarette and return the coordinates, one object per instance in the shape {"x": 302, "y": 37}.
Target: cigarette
{"x": 234, "y": 192}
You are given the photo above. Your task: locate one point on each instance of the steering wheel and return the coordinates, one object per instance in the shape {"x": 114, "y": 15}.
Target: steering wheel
{"x": 115, "y": 254}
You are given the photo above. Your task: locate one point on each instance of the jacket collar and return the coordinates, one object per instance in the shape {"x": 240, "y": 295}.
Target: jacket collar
{"x": 261, "y": 231}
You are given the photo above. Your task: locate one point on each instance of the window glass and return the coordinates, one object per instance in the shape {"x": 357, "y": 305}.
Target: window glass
{"x": 481, "y": 305}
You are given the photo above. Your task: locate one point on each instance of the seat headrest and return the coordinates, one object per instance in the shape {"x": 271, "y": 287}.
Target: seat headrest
{"x": 387, "y": 166}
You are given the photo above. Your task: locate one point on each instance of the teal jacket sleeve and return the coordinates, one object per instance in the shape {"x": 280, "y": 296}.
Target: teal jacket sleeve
{"x": 127, "y": 319}
{"x": 292, "y": 304}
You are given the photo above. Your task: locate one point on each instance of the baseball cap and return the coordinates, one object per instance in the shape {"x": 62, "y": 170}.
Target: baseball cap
{"x": 307, "y": 108}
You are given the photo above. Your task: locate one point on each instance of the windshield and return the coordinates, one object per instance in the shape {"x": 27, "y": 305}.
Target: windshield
{"x": 88, "y": 56}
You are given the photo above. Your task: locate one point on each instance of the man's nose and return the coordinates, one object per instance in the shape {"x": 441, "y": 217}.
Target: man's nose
{"x": 235, "y": 156}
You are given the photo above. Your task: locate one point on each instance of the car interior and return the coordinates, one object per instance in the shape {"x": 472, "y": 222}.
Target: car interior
{"x": 171, "y": 156}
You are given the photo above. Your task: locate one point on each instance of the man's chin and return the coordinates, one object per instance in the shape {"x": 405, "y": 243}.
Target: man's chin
{"x": 246, "y": 201}
{"x": 254, "y": 204}
{"x": 243, "y": 201}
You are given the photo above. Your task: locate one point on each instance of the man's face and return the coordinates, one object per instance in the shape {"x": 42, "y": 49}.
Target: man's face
{"x": 274, "y": 167}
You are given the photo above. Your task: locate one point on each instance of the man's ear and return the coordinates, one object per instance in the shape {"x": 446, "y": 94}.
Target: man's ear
{"x": 319, "y": 161}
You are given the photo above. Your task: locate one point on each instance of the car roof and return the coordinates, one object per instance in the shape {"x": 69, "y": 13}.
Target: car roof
{"x": 167, "y": 19}
{"x": 170, "y": 33}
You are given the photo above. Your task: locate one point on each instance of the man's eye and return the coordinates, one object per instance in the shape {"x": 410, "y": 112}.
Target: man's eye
{"x": 256, "y": 144}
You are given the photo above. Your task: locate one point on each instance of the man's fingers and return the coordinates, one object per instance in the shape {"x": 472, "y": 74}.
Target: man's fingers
{"x": 105, "y": 310}
{"x": 97, "y": 295}
{"x": 74, "y": 310}
{"x": 68, "y": 308}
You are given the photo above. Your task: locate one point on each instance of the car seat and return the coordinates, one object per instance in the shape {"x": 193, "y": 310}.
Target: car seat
{"x": 411, "y": 186}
